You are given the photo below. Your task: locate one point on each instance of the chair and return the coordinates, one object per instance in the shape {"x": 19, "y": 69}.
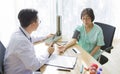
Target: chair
{"x": 2, "y": 53}
{"x": 108, "y": 33}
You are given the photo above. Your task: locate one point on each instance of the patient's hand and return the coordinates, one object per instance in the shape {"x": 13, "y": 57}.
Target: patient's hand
{"x": 61, "y": 49}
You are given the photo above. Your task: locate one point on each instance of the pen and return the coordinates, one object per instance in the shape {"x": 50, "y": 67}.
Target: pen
{"x": 49, "y": 55}
{"x": 51, "y": 45}
{"x": 81, "y": 69}
{"x": 57, "y": 44}
{"x": 74, "y": 50}
{"x": 63, "y": 70}
{"x": 53, "y": 37}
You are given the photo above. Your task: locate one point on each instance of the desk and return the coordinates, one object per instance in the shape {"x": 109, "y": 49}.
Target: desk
{"x": 82, "y": 58}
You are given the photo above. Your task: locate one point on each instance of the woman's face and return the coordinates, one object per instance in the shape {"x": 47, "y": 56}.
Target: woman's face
{"x": 86, "y": 20}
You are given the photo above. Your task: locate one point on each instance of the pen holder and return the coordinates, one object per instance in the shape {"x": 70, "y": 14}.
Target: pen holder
{"x": 82, "y": 68}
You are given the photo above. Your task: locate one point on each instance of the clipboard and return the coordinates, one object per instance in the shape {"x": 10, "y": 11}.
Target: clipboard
{"x": 67, "y": 62}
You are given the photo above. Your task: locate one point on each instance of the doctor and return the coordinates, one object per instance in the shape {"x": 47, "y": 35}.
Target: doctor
{"x": 20, "y": 56}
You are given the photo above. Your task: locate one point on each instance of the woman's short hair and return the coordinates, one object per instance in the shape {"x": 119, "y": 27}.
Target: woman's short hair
{"x": 27, "y": 16}
{"x": 89, "y": 12}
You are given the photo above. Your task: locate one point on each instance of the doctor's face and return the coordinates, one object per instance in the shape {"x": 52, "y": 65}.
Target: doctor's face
{"x": 36, "y": 24}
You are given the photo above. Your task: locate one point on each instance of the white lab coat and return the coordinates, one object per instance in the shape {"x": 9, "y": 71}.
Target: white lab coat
{"x": 20, "y": 56}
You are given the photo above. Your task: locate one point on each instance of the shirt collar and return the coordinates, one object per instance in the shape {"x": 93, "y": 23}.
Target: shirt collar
{"x": 26, "y": 33}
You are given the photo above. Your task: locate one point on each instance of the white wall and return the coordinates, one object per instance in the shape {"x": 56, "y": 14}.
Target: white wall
{"x": 106, "y": 11}
{"x": 7, "y": 20}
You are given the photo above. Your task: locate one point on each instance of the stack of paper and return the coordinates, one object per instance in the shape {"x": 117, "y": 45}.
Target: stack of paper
{"x": 62, "y": 61}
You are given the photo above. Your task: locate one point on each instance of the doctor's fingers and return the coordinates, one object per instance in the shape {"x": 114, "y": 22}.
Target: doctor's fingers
{"x": 51, "y": 50}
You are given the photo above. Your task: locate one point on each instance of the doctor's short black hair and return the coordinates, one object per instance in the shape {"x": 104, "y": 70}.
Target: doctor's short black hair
{"x": 89, "y": 12}
{"x": 27, "y": 16}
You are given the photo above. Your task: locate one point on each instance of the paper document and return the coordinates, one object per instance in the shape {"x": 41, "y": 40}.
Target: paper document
{"x": 62, "y": 61}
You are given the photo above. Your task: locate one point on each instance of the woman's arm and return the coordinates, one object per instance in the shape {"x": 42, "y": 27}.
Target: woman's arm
{"x": 95, "y": 50}
{"x": 69, "y": 44}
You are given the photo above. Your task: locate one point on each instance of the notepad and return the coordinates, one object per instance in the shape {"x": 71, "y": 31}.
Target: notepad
{"x": 62, "y": 61}
{"x": 52, "y": 39}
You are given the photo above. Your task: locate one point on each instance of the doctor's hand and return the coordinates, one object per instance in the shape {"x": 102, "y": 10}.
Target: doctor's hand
{"x": 51, "y": 48}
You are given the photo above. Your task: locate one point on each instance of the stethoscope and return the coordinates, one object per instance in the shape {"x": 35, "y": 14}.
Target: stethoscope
{"x": 25, "y": 35}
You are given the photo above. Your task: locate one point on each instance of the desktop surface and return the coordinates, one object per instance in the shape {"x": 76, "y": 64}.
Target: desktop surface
{"x": 83, "y": 59}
